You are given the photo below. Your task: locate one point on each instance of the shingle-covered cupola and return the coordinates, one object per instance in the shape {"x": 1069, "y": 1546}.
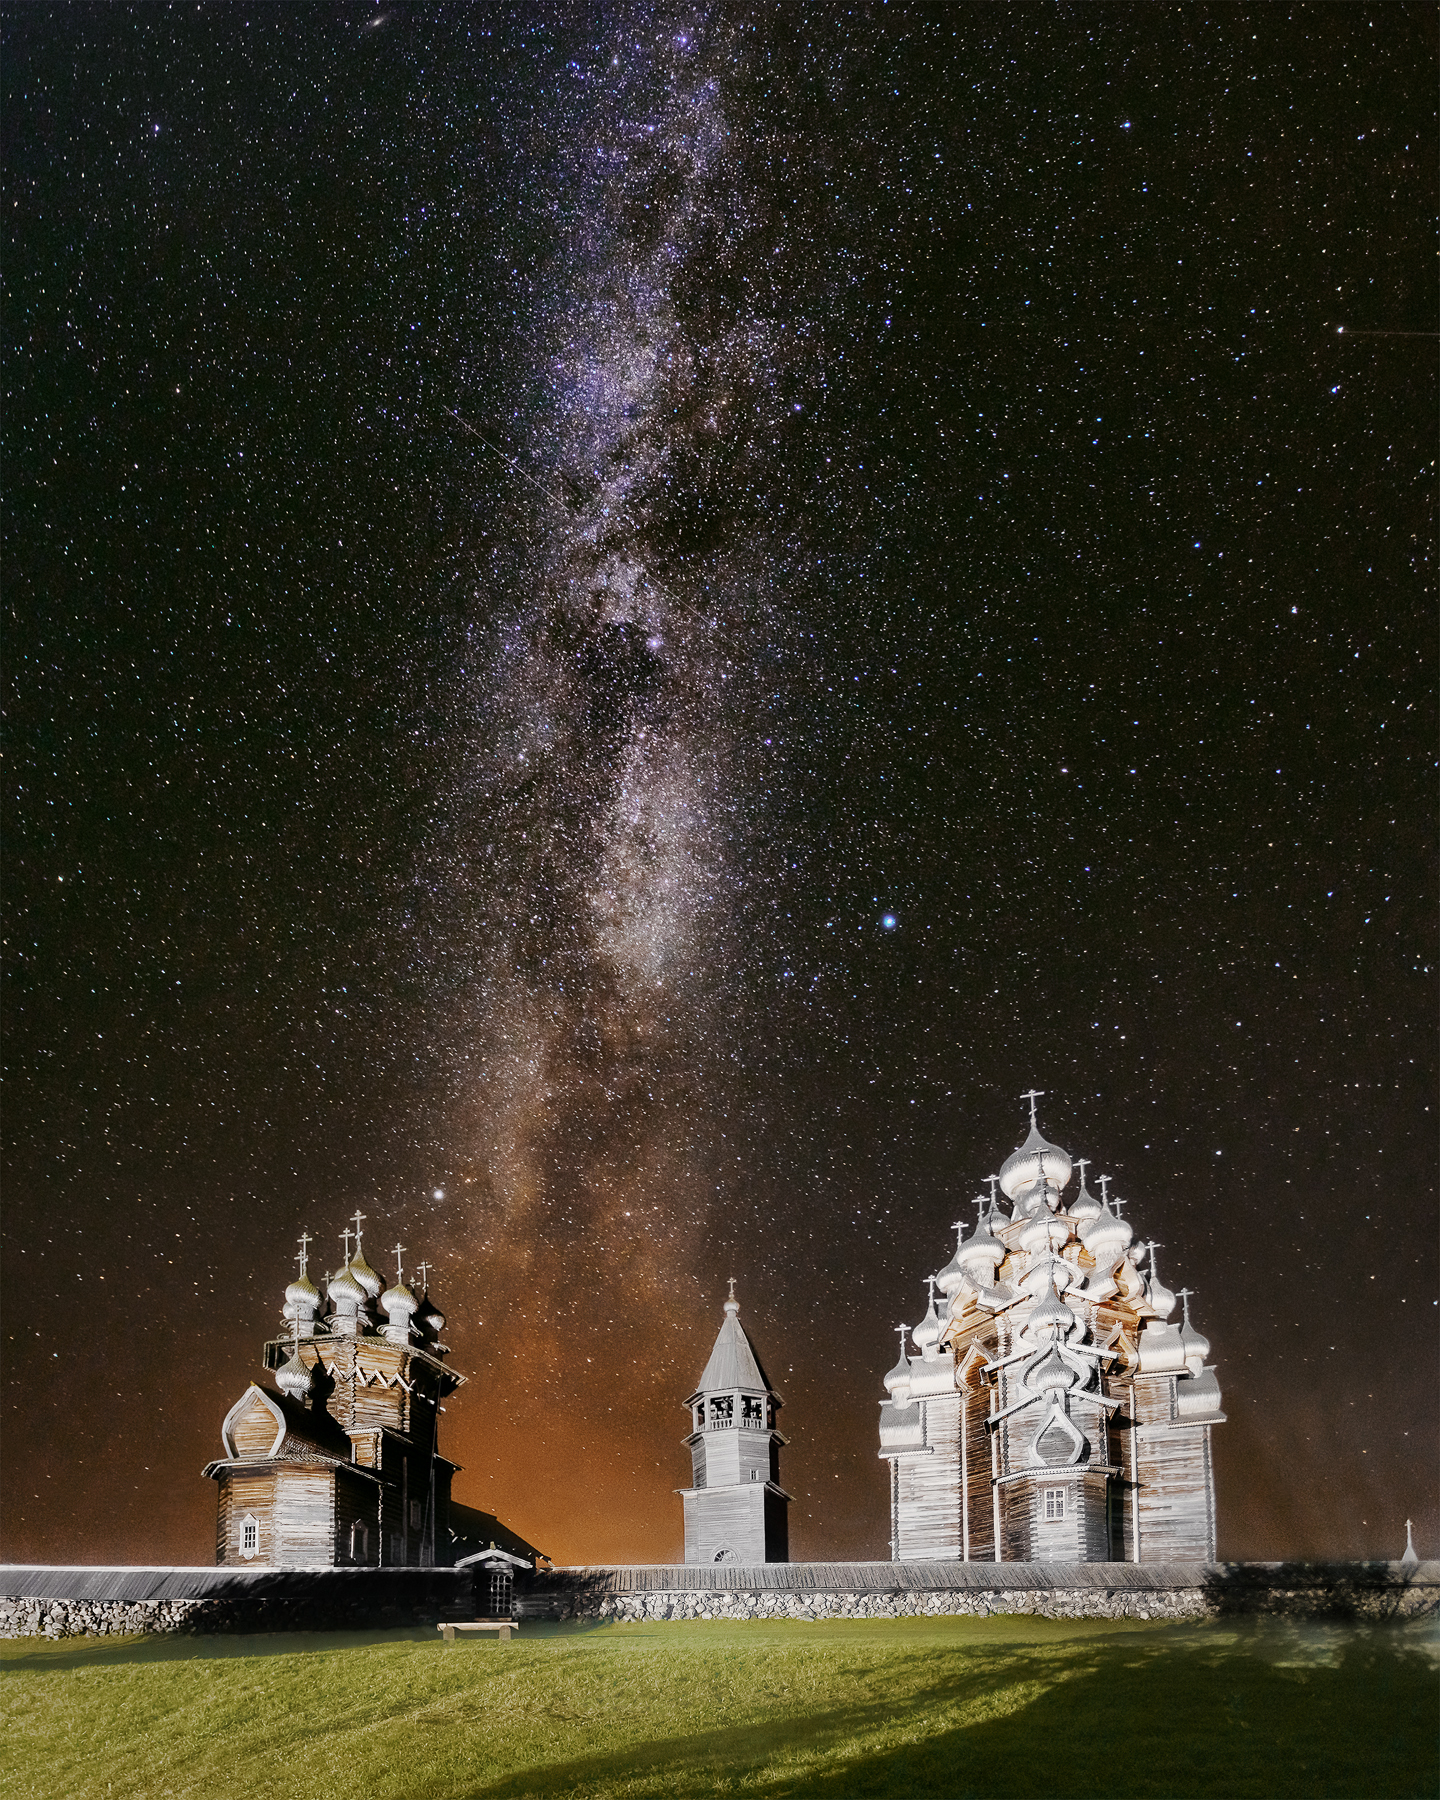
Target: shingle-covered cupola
{"x": 736, "y": 1510}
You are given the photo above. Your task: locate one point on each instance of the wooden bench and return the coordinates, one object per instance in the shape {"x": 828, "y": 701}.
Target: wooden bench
{"x": 501, "y": 1627}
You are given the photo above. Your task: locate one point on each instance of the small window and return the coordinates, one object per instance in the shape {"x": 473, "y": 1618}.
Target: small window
{"x": 414, "y": 1515}
{"x": 249, "y": 1536}
{"x": 359, "y": 1542}
{"x": 1054, "y": 1503}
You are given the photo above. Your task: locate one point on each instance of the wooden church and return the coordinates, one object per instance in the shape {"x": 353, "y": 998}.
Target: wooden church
{"x": 735, "y": 1509}
{"x": 1055, "y": 1410}
{"x": 338, "y": 1464}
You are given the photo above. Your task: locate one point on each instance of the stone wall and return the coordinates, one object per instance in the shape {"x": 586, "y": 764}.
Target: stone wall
{"x": 1046, "y": 1603}
{"x": 59, "y": 1602}
{"x": 1045, "y": 1590}
{"x": 74, "y": 1602}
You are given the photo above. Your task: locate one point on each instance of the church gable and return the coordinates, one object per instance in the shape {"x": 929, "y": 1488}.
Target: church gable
{"x": 254, "y": 1426}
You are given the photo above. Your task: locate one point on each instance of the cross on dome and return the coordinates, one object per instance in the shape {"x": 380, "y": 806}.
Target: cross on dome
{"x": 345, "y": 1237}
{"x": 359, "y": 1218}
{"x": 1185, "y": 1294}
{"x": 732, "y": 1287}
{"x": 423, "y": 1271}
{"x": 1032, "y": 1096}
{"x": 399, "y": 1266}
{"x": 303, "y": 1257}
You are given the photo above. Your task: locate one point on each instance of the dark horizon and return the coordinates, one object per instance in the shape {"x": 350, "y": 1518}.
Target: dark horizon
{"x": 621, "y": 629}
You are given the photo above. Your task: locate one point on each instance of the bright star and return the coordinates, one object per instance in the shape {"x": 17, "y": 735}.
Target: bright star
{"x": 889, "y": 921}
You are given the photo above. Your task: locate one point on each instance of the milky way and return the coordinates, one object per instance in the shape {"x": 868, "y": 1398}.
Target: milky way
{"x": 621, "y": 628}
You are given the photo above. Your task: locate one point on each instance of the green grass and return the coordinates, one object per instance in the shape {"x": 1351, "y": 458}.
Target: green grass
{"x": 949, "y": 1707}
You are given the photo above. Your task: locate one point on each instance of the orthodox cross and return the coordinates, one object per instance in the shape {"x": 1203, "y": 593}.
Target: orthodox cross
{"x": 930, "y": 1283}
{"x": 423, "y": 1271}
{"x": 1105, "y": 1191}
{"x": 1152, "y": 1247}
{"x": 346, "y": 1236}
{"x": 902, "y": 1329}
{"x": 1118, "y": 1203}
{"x": 732, "y": 1287}
{"x": 994, "y": 1181}
{"x": 1185, "y": 1294}
{"x": 399, "y": 1266}
{"x": 1082, "y": 1163}
{"x": 358, "y": 1217}
{"x": 1033, "y": 1095}
{"x": 303, "y": 1258}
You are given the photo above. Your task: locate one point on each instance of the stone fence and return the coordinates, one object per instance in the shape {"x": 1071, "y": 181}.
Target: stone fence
{"x": 886, "y": 1590}
{"x": 47, "y": 1601}
{"x": 56, "y": 1602}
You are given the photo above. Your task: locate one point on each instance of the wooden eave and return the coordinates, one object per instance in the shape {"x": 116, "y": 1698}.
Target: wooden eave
{"x": 263, "y": 1465}
{"x": 370, "y": 1340}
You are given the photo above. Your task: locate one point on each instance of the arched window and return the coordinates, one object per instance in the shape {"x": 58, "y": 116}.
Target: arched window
{"x": 249, "y": 1536}
{"x": 359, "y": 1542}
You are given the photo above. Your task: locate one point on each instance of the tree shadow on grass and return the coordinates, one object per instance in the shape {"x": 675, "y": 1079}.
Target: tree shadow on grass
{"x": 1129, "y": 1717}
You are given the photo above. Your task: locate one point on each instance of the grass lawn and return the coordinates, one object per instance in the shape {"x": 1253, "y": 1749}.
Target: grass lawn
{"x": 946, "y": 1707}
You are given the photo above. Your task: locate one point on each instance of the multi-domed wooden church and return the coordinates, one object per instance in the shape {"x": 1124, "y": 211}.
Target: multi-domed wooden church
{"x": 1054, "y": 1411}
{"x": 339, "y": 1462}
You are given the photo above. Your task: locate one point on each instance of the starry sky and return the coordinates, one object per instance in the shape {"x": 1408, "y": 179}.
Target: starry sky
{"x": 621, "y": 623}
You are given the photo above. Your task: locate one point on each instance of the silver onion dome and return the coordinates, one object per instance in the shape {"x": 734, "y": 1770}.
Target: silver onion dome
{"x": 294, "y": 1378}
{"x": 302, "y": 1293}
{"x": 1084, "y": 1206}
{"x": 1035, "y": 1160}
{"x": 981, "y": 1253}
{"x": 927, "y": 1333}
{"x": 899, "y": 1376}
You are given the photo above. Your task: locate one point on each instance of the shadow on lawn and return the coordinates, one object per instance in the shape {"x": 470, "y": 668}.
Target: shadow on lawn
{"x": 1143, "y": 1719}
{"x": 109, "y": 1652}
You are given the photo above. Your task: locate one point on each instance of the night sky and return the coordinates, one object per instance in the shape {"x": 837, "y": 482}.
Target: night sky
{"x": 622, "y": 623}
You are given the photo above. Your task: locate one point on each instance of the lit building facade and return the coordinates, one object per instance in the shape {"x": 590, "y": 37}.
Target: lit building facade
{"x": 1055, "y": 1411}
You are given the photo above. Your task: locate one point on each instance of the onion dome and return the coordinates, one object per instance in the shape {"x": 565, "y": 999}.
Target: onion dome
{"x": 344, "y": 1289}
{"x": 398, "y": 1299}
{"x": 927, "y": 1333}
{"x": 1159, "y": 1298}
{"x": 1035, "y": 1160}
{"x": 1106, "y": 1237}
{"x": 369, "y": 1281}
{"x": 347, "y": 1297}
{"x": 302, "y": 1294}
{"x": 1194, "y": 1346}
{"x": 950, "y": 1277}
{"x": 1051, "y": 1315}
{"x": 899, "y": 1376}
{"x": 1034, "y": 1201}
{"x": 1084, "y": 1206}
{"x": 294, "y": 1378}
{"x": 1052, "y": 1375}
{"x": 981, "y": 1253}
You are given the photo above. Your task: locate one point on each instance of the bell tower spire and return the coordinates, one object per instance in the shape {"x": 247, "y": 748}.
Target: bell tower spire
{"x": 735, "y": 1509}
